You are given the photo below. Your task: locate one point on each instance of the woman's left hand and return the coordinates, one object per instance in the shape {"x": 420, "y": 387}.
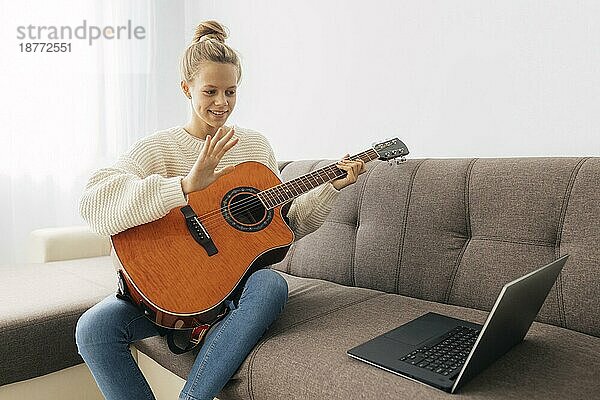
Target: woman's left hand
{"x": 353, "y": 168}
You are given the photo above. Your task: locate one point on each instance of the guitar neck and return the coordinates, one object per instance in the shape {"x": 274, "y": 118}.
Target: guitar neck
{"x": 289, "y": 190}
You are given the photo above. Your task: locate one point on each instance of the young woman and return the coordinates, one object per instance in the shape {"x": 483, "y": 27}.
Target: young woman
{"x": 155, "y": 176}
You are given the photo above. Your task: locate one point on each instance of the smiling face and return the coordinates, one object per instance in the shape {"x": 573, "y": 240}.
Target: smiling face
{"x": 213, "y": 94}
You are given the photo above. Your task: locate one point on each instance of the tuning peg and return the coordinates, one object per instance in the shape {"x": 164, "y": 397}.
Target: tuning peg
{"x": 397, "y": 161}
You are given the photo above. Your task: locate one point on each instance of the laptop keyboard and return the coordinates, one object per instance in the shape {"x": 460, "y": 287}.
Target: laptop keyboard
{"x": 447, "y": 354}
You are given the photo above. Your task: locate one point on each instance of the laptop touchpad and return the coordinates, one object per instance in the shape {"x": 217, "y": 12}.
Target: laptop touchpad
{"x": 417, "y": 331}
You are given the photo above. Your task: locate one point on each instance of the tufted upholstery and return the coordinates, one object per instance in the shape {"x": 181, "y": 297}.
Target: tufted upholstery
{"x": 424, "y": 236}
{"x": 455, "y": 230}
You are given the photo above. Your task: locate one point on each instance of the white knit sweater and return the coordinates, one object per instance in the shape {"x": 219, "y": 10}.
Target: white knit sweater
{"x": 145, "y": 183}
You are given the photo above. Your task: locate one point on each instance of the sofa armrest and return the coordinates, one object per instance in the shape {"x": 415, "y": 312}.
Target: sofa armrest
{"x": 66, "y": 243}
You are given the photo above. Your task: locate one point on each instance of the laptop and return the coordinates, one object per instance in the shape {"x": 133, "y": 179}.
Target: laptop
{"x": 445, "y": 352}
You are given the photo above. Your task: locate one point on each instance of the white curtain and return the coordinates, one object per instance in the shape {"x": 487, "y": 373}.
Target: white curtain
{"x": 65, "y": 115}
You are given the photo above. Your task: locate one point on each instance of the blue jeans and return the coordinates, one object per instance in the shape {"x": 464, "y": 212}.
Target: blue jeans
{"x": 105, "y": 331}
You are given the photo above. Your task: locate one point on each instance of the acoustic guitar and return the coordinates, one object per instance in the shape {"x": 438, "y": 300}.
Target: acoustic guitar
{"x": 181, "y": 268}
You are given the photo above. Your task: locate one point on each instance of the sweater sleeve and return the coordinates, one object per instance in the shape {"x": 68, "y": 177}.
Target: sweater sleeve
{"x": 309, "y": 210}
{"x": 127, "y": 195}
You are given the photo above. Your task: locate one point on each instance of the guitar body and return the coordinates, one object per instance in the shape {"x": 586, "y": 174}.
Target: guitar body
{"x": 181, "y": 268}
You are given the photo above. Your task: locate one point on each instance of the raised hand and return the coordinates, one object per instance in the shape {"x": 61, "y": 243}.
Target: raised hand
{"x": 203, "y": 172}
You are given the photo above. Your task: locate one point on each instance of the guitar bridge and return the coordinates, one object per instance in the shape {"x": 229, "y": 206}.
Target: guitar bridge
{"x": 198, "y": 231}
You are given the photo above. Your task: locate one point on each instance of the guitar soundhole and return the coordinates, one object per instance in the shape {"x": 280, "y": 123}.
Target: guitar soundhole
{"x": 244, "y": 211}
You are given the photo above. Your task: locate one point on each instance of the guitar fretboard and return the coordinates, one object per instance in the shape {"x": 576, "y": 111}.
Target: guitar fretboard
{"x": 289, "y": 190}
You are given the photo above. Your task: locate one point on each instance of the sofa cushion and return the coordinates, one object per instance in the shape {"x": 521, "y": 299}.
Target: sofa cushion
{"x": 303, "y": 355}
{"x": 305, "y": 299}
{"x": 40, "y": 306}
{"x": 449, "y": 230}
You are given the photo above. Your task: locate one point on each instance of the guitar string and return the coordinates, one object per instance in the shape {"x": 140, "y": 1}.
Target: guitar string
{"x": 244, "y": 205}
{"x": 218, "y": 222}
{"x": 333, "y": 168}
{"x": 210, "y": 216}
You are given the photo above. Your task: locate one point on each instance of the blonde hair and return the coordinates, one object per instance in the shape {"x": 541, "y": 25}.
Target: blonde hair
{"x": 208, "y": 44}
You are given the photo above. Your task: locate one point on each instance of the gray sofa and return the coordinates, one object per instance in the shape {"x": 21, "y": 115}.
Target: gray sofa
{"x": 439, "y": 235}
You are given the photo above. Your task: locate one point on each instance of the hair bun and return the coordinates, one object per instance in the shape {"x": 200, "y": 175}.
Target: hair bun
{"x": 210, "y": 30}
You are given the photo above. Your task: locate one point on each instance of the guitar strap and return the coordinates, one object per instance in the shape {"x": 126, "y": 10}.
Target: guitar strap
{"x": 195, "y": 339}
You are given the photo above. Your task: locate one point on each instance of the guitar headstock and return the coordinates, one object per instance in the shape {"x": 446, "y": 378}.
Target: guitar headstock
{"x": 390, "y": 149}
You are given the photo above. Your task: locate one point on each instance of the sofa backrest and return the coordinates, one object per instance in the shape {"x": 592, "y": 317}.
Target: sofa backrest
{"x": 456, "y": 230}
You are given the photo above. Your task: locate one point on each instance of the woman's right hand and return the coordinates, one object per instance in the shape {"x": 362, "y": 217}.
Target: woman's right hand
{"x": 203, "y": 172}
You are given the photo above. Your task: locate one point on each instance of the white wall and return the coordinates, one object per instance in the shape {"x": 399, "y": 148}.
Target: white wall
{"x": 321, "y": 78}
{"x": 450, "y": 78}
